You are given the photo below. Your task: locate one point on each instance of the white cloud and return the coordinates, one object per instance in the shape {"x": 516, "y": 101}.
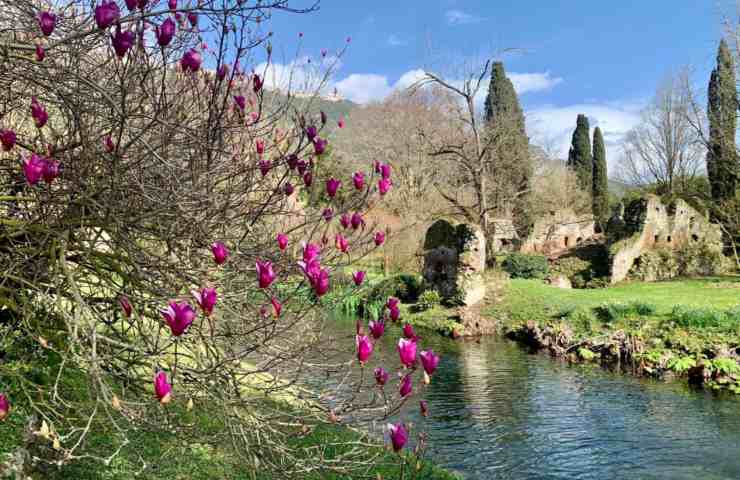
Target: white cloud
{"x": 533, "y": 82}
{"x": 553, "y": 126}
{"x": 394, "y": 41}
{"x": 364, "y": 87}
{"x": 458, "y": 17}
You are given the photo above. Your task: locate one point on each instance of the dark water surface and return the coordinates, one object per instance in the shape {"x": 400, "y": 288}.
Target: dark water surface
{"x": 497, "y": 412}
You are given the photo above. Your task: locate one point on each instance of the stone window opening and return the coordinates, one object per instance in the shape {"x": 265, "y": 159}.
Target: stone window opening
{"x": 657, "y": 238}
{"x": 668, "y": 239}
{"x": 695, "y": 237}
{"x": 566, "y": 241}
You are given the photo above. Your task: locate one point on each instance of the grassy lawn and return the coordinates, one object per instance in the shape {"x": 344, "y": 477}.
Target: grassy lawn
{"x": 535, "y": 300}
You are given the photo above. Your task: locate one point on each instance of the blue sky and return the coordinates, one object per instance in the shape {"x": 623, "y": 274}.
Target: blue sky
{"x": 602, "y": 58}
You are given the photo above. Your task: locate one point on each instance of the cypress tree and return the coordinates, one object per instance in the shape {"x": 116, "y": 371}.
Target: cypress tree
{"x": 600, "y": 187}
{"x": 722, "y": 161}
{"x": 511, "y": 165}
{"x": 579, "y": 156}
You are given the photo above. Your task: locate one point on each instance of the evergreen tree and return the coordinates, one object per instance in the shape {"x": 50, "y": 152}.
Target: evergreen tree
{"x": 600, "y": 186}
{"x": 722, "y": 160}
{"x": 510, "y": 166}
{"x": 579, "y": 156}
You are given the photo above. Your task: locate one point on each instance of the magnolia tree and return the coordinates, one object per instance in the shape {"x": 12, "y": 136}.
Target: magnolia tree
{"x": 168, "y": 236}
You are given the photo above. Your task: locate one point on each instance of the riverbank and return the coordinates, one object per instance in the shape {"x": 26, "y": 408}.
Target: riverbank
{"x": 688, "y": 329}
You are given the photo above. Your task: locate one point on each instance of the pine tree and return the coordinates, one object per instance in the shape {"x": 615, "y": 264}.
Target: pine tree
{"x": 722, "y": 160}
{"x": 579, "y": 156}
{"x": 600, "y": 186}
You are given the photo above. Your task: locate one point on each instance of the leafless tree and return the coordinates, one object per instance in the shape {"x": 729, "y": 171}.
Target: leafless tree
{"x": 665, "y": 148}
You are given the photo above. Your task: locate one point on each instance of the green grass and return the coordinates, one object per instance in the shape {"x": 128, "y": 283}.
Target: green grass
{"x": 534, "y": 300}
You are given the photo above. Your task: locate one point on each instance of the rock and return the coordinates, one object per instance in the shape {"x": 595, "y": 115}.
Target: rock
{"x": 454, "y": 261}
{"x": 560, "y": 281}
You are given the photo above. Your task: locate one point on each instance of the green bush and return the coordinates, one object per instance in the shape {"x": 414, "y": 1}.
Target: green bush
{"x": 705, "y": 317}
{"x": 519, "y": 265}
{"x": 617, "y": 311}
{"x": 428, "y": 299}
{"x": 583, "y": 320}
{"x": 404, "y": 286}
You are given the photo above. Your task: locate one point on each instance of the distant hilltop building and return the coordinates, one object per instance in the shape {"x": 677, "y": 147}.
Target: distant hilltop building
{"x": 334, "y": 96}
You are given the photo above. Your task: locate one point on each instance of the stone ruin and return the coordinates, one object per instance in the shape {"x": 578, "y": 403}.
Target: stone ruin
{"x": 454, "y": 261}
{"x": 647, "y": 224}
{"x": 559, "y": 231}
{"x": 504, "y": 237}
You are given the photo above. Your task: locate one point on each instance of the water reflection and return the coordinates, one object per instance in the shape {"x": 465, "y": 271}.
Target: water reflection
{"x": 500, "y": 413}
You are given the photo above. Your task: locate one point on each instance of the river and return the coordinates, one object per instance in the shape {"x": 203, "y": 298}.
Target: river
{"x": 498, "y": 412}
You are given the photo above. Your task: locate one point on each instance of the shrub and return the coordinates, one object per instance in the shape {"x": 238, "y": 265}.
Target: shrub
{"x": 583, "y": 319}
{"x": 704, "y": 317}
{"x": 428, "y": 299}
{"x": 406, "y": 287}
{"x": 519, "y": 265}
{"x": 617, "y": 311}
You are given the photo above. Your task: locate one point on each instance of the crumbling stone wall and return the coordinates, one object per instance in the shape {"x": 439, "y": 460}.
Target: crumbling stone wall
{"x": 558, "y": 231}
{"x": 504, "y": 237}
{"x": 454, "y": 261}
{"x": 646, "y": 225}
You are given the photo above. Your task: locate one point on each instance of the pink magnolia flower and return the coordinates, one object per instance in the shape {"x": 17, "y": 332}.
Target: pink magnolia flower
{"x": 321, "y": 284}
{"x": 379, "y": 238}
{"x": 241, "y": 102}
{"x": 193, "y": 19}
{"x": 319, "y": 145}
{"x": 179, "y": 316}
{"x": 385, "y": 170}
{"x": 265, "y": 166}
{"x": 222, "y": 71}
{"x": 429, "y": 360}
{"x": 395, "y": 313}
{"x": 38, "y": 112}
{"x": 122, "y": 41}
{"x": 50, "y": 170}
{"x": 33, "y": 169}
{"x": 288, "y": 189}
{"x": 383, "y": 186}
{"x": 311, "y": 133}
{"x": 377, "y": 328}
{"x": 311, "y": 252}
{"x": 340, "y": 122}
{"x": 277, "y": 307}
{"x": 405, "y": 388}
{"x": 345, "y": 220}
{"x": 381, "y": 376}
{"x": 256, "y": 83}
{"x": 407, "y": 351}
{"x": 172, "y": 4}
{"x": 392, "y": 302}
{"x": 282, "y": 240}
{"x": 47, "y": 22}
{"x": 399, "y": 436}
{"x": 265, "y": 273}
{"x": 302, "y": 165}
{"x": 162, "y": 388}
{"x": 109, "y": 146}
{"x": 357, "y": 221}
{"x": 125, "y": 304}
{"x": 292, "y": 161}
{"x": 364, "y": 348}
{"x": 206, "y": 299}
{"x": 424, "y": 408}
{"x": 307, "y": 179}
{"x": 4, "y": 406}
{"x": 328, "y": 214}
{"x": 40, "y": 53}
{"x": 106, "y": 14}
{"x": 220, "y": 253}
{"x": 8, "y": 139}
{"x": 165, "y": 32}
{"x": 359, "y": 180}
{"x": 408, "y": 332}
{"x": 341, "y": 243}
{"x": 259, "y": 145}
{"x": 132, "y": 4}
{"x": 358, "y": 277}
{"x": 191, "y": 60}
{"x": 332, "y": 185}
